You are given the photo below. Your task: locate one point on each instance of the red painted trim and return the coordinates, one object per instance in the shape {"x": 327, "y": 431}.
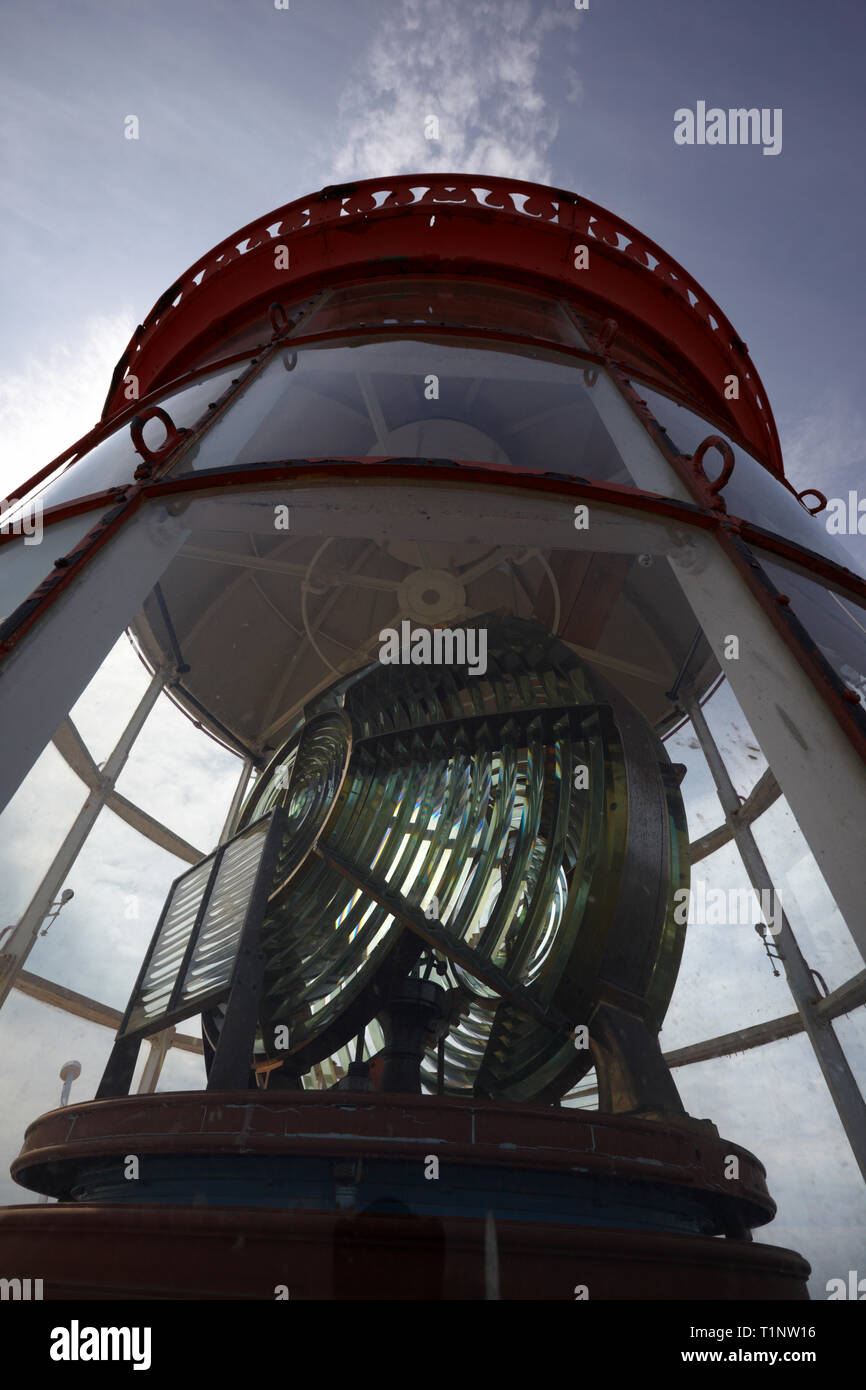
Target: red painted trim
{"x": 68, "y": 567}
{"x": 103, "y": 428}
{"x": 388, "y": 468}
{"x": 382, "y": 469}
{"x": 160, "y": 389}
{"x": 93, "y": 501}
{"x": 443, "y": 331}
{"x": 807, "y": 559}
{"x": 323, "y": 468}
{"x": 468, "y": 1130}
{"x": 338, "y": 232}
{"x": 851, "y": 717}
{"x": 132, "y": 1251}
{"x": 56, "y": 583}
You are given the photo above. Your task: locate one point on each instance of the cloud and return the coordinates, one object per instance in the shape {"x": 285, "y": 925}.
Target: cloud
{"x": 57, "y": 397}
{"x": 477, "y": 69}
{"x": 823, "y": 448}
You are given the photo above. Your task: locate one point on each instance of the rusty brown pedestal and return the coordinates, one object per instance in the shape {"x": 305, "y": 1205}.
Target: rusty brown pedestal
{"x": 326, "y": 1194}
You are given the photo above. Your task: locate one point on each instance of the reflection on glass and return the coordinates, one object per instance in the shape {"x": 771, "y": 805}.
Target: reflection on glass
{"x": 253, "y": 337}
{"x": 114, "y": 461}
{"x": 23, "y": 566}
{"x": 216, "y": 946}
{"x": 178, "y": 923}
{"x": 209, "y": 913}
{"x": 835, "y": 620}
{"x": 774, "y": 1099}
{"x": 736, "y": 742}
{"x": 724, "y": 964}
{"x": 442, "y": 302}
{"x": 753, "y": 493}
{"x": 808, "y": 903}
{"x": 304, "y": 610}
{"x": 525, "y": 410}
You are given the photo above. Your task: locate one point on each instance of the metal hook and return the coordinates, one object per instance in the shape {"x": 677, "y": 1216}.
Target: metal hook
{"x": 609, "y": 330}
{"x": 813, "y": 492}
{"x": 715, "y": 441}
{"x": 279, "y": 319}
{"x": 173, "y": 436}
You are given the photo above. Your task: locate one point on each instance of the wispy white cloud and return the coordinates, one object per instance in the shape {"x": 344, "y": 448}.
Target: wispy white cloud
{"x": 477, "y": 69}
{"x": 55, "y": 398}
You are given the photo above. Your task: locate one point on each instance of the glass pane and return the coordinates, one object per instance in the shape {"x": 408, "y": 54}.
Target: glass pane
{"x": 114, "y": 461}
{"x": 98, "y": 942}
{"x": 725, "y": 981}
{"x": 850, "y": 1029}
{"x": 835, "y": 620}
{"x": 252, "y": 337}
{"x": 32, "y": 826}
{"x": 23, "y": 565}
{"x": 302, "y": 609}
{"x": 174, "y": 934}
{"x": 513, "y": 409}
{"x": 214, "y": 954}
{"x": 583, "y": 1096}
{"x": 753, "y": 493}
{"x": 53, "y": 1037}
{"x": 774, "y": 1102}
{"x": 182, "y": 1071}
{"x": 194, "y": 804}
{"x": 443, "y": 302}
{"x": 808, "y": 904}
{"x": 734, "y": 739}
{"x": 103, "y": 710}
{"x": 703, "y": 810}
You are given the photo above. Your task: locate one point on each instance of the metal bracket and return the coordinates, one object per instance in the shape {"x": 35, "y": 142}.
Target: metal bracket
{"x": 714, "y": 441}
{"x": 173, "y": 437}
{"x": 813, "y": 492}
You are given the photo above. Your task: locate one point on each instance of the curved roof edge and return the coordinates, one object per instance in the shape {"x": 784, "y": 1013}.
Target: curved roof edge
{"x": 441, "y": 224}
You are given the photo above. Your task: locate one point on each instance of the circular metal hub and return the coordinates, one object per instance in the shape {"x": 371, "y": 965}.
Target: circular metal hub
{"x": 432, "y": 596}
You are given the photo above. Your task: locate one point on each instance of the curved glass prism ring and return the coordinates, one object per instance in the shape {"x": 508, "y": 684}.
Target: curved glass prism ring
{"x": 520, "y": 830}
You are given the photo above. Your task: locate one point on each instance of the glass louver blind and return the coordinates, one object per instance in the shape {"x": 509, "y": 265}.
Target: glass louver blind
{"x": 197, "y": 939}
{"x": 216, "y": 946}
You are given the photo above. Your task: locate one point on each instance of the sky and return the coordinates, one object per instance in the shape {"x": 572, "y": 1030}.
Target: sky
{"x": 244, "y": 107}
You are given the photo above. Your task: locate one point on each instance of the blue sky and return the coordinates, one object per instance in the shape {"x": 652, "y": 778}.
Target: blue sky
{"x": 243, "y": 107}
